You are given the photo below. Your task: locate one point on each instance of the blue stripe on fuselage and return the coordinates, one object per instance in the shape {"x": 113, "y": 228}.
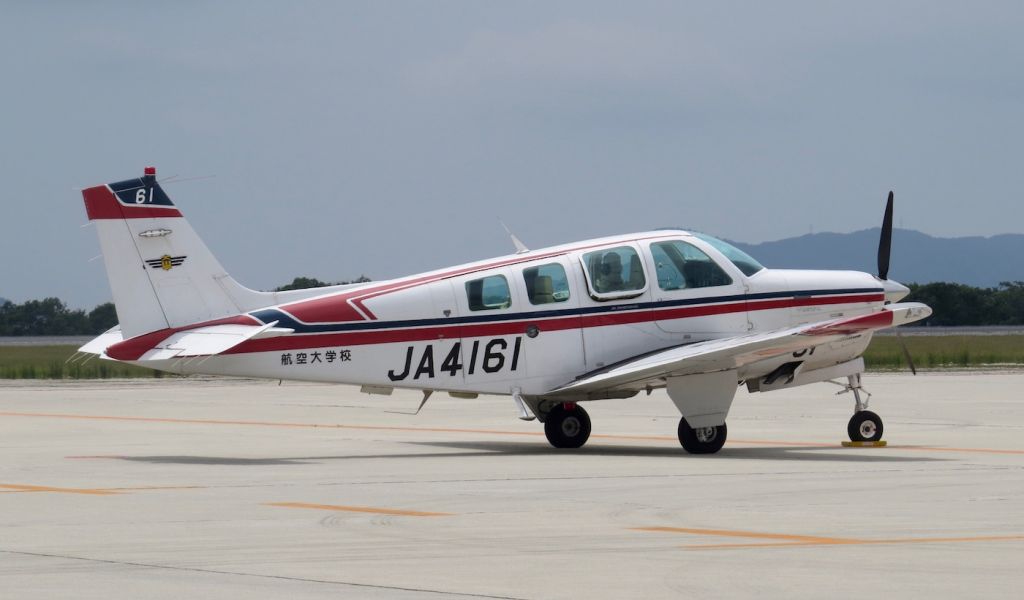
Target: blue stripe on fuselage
{"x": 285, "y": 320}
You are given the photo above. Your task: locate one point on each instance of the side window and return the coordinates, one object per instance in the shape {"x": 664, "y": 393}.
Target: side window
{"x": 684, "y": 266}
{"x": 489, "y": 293}
{"x": 614, "y": 273}
{"x": 546, "y": 284}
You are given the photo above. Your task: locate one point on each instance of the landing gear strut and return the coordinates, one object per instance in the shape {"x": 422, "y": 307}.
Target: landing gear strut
{"x": 701, "y": 440}
{"x": 864, "y": 425}
{"x": 567, "y": 426}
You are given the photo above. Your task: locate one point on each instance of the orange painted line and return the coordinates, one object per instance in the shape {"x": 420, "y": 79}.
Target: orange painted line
{"x": 14, "y": 487}
{"x": 271, "y": 424}
{"x": 147, "y": 488}
{"x": 784, "y": 540}
{"x": 744, "y": 534}
{"x": 947, "y": 540}
{"x": 949, "y": 449}
{"x": 360, "y": 509}
{"x": 666, "y": 438}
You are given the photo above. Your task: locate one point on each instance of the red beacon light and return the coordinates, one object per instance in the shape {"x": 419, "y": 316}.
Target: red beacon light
{"x": 150, "y": 171}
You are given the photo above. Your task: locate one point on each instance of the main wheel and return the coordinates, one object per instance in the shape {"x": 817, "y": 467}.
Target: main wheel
{"x": 567, "y": 426}
{"x": 865, "y": 426}
{"x": 702, "y": 440}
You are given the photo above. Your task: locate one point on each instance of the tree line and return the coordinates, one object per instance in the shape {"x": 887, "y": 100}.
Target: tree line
{"x": 954, "y": 304}
{"x": 51, "y": 316}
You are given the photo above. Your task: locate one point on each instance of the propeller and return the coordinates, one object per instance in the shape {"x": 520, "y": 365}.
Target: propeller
{"x": 885, "y": 241}
{"x": 884, "y": 250}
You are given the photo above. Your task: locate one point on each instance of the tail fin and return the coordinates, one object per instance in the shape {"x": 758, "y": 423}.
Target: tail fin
{"x": 161, "y": 273}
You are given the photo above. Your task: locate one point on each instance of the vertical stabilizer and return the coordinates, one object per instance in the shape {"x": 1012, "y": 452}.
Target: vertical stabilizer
{"x": 161, "y": 273}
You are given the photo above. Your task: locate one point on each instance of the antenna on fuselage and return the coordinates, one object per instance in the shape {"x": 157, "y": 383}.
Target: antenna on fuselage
{"x": 520, "y": 246}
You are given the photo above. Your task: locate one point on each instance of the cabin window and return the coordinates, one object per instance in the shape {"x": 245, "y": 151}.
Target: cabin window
{"x": 614, "y": 273}
{"x": 684, "y": 266}
{"x": 489, "y": 293}
{"x": 546, "y": 284}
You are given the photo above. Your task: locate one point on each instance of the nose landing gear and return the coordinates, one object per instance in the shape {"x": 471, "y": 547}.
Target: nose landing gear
{"x": 864, "y": 425}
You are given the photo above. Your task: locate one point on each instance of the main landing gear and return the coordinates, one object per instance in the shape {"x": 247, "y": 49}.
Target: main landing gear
{"x": 567, "y": 425}
{"x": 701, "y": 440}
{"x": 864, "y": 425}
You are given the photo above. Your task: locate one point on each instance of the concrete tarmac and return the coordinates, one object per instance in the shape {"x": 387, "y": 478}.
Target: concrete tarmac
{"x": 233, "y": 488}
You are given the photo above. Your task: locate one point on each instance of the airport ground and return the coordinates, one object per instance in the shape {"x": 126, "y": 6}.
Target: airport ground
{"x": 232, "y": 488}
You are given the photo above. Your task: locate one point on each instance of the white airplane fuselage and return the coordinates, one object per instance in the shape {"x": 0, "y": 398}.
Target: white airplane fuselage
{"x": 420, "y": 332}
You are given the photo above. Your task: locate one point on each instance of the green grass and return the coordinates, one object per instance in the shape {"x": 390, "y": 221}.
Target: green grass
{"x": 48, "y": 362}
{"x": 937, "y": 351}
{"x": 884, "y": 353}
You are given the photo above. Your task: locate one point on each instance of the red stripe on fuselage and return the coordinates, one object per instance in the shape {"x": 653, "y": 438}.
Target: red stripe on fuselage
{"x": 455, "y": 332}
{"x": 101, "y": 203}
{"x": 346, "y": 307}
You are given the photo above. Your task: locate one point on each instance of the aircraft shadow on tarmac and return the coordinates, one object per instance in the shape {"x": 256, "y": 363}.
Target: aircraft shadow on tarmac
{"x": 498, "y": 449}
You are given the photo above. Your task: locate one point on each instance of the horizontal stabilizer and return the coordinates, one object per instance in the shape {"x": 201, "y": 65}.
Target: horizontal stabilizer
{"x": 99, "y": 344}
{"x": 211, "y": 340}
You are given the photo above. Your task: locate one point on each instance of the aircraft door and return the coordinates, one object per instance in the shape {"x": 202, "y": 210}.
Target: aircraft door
{"x": 552, "y": 341}
{"x": 616, "y": 312}
{"x": 694, "y": 295}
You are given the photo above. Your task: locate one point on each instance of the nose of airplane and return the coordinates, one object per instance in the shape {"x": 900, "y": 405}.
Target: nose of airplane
{"x": 894, "y": 290}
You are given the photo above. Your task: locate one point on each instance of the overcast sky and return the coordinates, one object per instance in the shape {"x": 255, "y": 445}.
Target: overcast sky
{"x": 386, "y": 138}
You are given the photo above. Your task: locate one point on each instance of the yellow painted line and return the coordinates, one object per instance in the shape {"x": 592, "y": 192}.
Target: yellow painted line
{"x": 360, "y": 509}
{"x": 878, "y": 444}
{"x": 787, "y": 540}
{"x": 14, "y": 487}
{"x": 666, "y": 438}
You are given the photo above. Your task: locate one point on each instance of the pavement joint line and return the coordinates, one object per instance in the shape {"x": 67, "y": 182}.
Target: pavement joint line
{"x": 360, "y": 509}
{"x": 787, "y": 540}
{"x": 184, "y": 421}
{"x": 142, "y": 565}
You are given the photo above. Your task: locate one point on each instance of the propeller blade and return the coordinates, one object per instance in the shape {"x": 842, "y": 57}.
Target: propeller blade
{"x": 906, "y": 352}
{"x": 885, "y": 241}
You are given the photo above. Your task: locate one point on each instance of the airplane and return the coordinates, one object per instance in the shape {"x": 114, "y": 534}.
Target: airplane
{"x": 553, "y": 328}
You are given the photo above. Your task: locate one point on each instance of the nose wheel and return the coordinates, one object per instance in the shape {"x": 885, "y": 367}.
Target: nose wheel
{"x": 865, "y": 426}
{"x": 701, "y": 440}
{"x": 567, "y": 426}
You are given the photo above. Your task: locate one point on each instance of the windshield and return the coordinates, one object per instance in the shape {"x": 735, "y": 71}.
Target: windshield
{"x": 743, "y": 261}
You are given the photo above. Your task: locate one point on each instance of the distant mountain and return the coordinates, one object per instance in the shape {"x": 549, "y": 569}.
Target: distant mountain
{"x": 916, "y": 257}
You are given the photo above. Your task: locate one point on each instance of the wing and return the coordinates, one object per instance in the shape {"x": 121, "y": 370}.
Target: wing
{"x": 734, "y": 353}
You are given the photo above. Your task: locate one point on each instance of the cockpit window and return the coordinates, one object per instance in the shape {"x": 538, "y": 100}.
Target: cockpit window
{"x": 614, "y": 273}
{"x": 743, "y": 261}
{"x": 683, "y": 266}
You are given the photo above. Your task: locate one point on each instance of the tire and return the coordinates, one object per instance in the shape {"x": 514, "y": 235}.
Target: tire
{"x": 567, "y": 427}
{"x": 705, "y": 440}
{"x": 865, "y": 426}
